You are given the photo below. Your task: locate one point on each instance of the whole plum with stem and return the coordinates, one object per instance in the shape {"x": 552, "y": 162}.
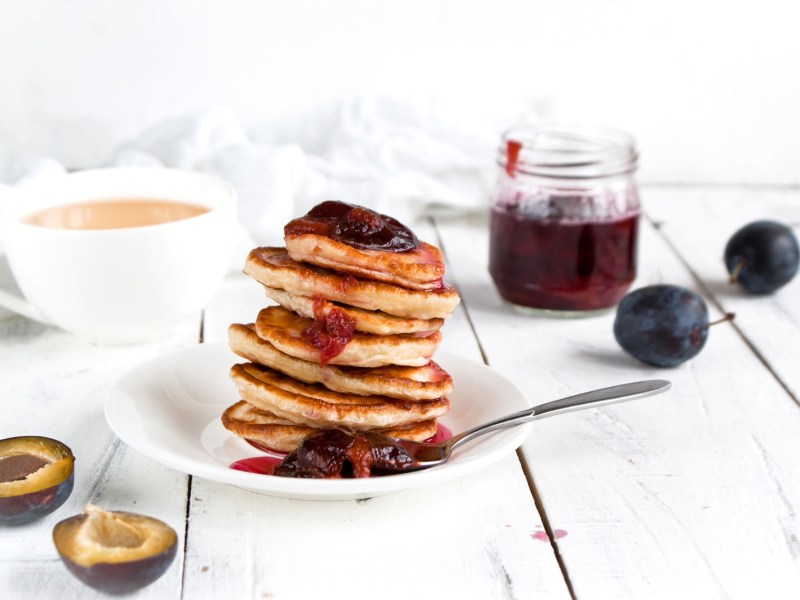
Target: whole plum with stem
{"x": 662, "y": 325}
{"x": 762, "y": 256}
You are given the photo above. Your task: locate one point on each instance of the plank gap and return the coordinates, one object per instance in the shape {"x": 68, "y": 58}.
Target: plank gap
{"x": 718, "y": 305}
{"x": 102, "y": 472}
{"x": 189, "y": 480}
{"x": 537, "y": 500}
{"x": 440, "y": 243}
{"x": 187, "y": 512}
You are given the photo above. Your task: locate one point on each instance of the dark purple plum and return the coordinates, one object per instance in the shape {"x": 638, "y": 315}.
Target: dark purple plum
{"x": 36, "y": 477}
{"x": 662, "y": 325}
{"x": 115, "y": 552}
{"x": 762, "y": 256}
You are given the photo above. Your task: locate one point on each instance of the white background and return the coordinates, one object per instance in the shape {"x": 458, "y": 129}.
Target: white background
{"x": 710, "y": 89}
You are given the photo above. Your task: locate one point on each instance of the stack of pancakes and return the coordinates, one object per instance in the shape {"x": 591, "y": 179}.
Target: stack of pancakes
{"x": 380, "y": 309}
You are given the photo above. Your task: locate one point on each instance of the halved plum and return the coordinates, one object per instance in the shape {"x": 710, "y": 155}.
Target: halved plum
{"x": 115, "y": 552}
{"x": 36, "y": 477}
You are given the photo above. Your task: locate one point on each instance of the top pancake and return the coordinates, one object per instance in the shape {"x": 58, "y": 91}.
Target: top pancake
{"x": 420, "y": 268}
{"x": 274, "y": 268}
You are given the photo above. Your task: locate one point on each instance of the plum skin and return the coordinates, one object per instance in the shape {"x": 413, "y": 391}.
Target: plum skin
{"x": 22, "y": 508}
{"x": 125, "y": 577}
{"x": 768, "y": 253}
{"x": 19, "y": 510}
{"x": 111, "y": 564}
{"x": 662, "y": 325}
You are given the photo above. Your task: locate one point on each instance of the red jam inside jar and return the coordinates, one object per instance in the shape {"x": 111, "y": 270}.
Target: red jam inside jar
{"x": 564, "y": 220}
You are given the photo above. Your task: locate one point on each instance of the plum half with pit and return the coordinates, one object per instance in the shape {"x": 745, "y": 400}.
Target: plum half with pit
{"x": 762, "y": 256}
{"x": 36, "y": 477}
{"x": 115, "y": 552}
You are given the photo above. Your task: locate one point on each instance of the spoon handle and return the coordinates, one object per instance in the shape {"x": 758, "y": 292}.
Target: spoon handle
{"x": 601, "y": 397}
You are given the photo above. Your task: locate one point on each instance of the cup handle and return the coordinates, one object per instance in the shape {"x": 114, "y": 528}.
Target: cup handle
{"x": 21, "y": 306}
{"x": 17, "y": 303}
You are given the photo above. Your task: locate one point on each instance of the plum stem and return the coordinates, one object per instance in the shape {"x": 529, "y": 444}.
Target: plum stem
{"x": 727, "y": 317}
{"x": 737, "y": 268}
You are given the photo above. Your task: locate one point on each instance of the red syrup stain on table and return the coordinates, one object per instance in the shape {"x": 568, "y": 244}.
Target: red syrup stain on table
{"x": 543, "y": 537}
{"x": 555, "y": 264}
{"x": 265, "y": 465}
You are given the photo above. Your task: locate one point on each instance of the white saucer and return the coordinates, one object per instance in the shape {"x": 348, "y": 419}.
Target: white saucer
{"x": 169, "y": 410}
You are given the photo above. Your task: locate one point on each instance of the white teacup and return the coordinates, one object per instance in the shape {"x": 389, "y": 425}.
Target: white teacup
{"x": 120, "y": 284}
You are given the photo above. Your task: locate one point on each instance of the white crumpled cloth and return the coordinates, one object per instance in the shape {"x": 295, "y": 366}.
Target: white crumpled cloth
{"x": 399, "y": 158}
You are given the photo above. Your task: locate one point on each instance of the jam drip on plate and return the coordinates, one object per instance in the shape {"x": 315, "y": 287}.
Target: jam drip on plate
{"x": 355, "y": 226}
{"x": 330, "y": 332}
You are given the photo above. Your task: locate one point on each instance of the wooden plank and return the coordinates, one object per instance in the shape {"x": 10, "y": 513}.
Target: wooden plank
{"x": 770, "y": 323}
{"x": 477, "y": 537}
{"x": 691, "y": 494}
{"x": 54, "y": 384}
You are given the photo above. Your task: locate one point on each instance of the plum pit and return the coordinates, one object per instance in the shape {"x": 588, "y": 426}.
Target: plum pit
{"x": 115, "y": 552}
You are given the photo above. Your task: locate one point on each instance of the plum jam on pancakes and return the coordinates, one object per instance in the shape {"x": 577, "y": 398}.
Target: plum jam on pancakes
{"x": 330, "y": 332}
{"x": 355, "y": 226}
{"x": 289, "y": 333}
{"x": 360, "y": 242}
{"x": 349, "y": 347}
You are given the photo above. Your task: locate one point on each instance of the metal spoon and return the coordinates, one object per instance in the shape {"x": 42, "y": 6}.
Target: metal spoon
{"x": 430, "y": 455}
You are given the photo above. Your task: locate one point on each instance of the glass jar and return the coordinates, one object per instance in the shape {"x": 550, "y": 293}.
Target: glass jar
{"x": 564, "y": 219}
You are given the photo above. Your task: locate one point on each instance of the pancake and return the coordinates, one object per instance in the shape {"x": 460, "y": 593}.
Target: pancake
{"x": 282, "y": 435}
{"x": 284, "y": 330}
{"x": 420, "y": 268}
{"x": 316, "y": 406}
{"x": 274, "y": 268}
{"x": 368, "y": 321}
{"x": 405, "y": 383}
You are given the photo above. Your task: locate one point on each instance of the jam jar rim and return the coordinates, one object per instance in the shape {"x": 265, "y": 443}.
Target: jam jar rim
{"x": 570, "y": 151}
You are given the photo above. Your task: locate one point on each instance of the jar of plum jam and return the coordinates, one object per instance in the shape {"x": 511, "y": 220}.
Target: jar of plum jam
{"x": 564, "y": 219}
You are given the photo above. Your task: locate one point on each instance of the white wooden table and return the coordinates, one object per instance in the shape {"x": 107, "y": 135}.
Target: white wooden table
{"x": 693, "y": 494}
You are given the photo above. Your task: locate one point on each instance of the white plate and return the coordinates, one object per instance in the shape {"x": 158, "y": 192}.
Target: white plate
{"x": 169, "y": 410}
